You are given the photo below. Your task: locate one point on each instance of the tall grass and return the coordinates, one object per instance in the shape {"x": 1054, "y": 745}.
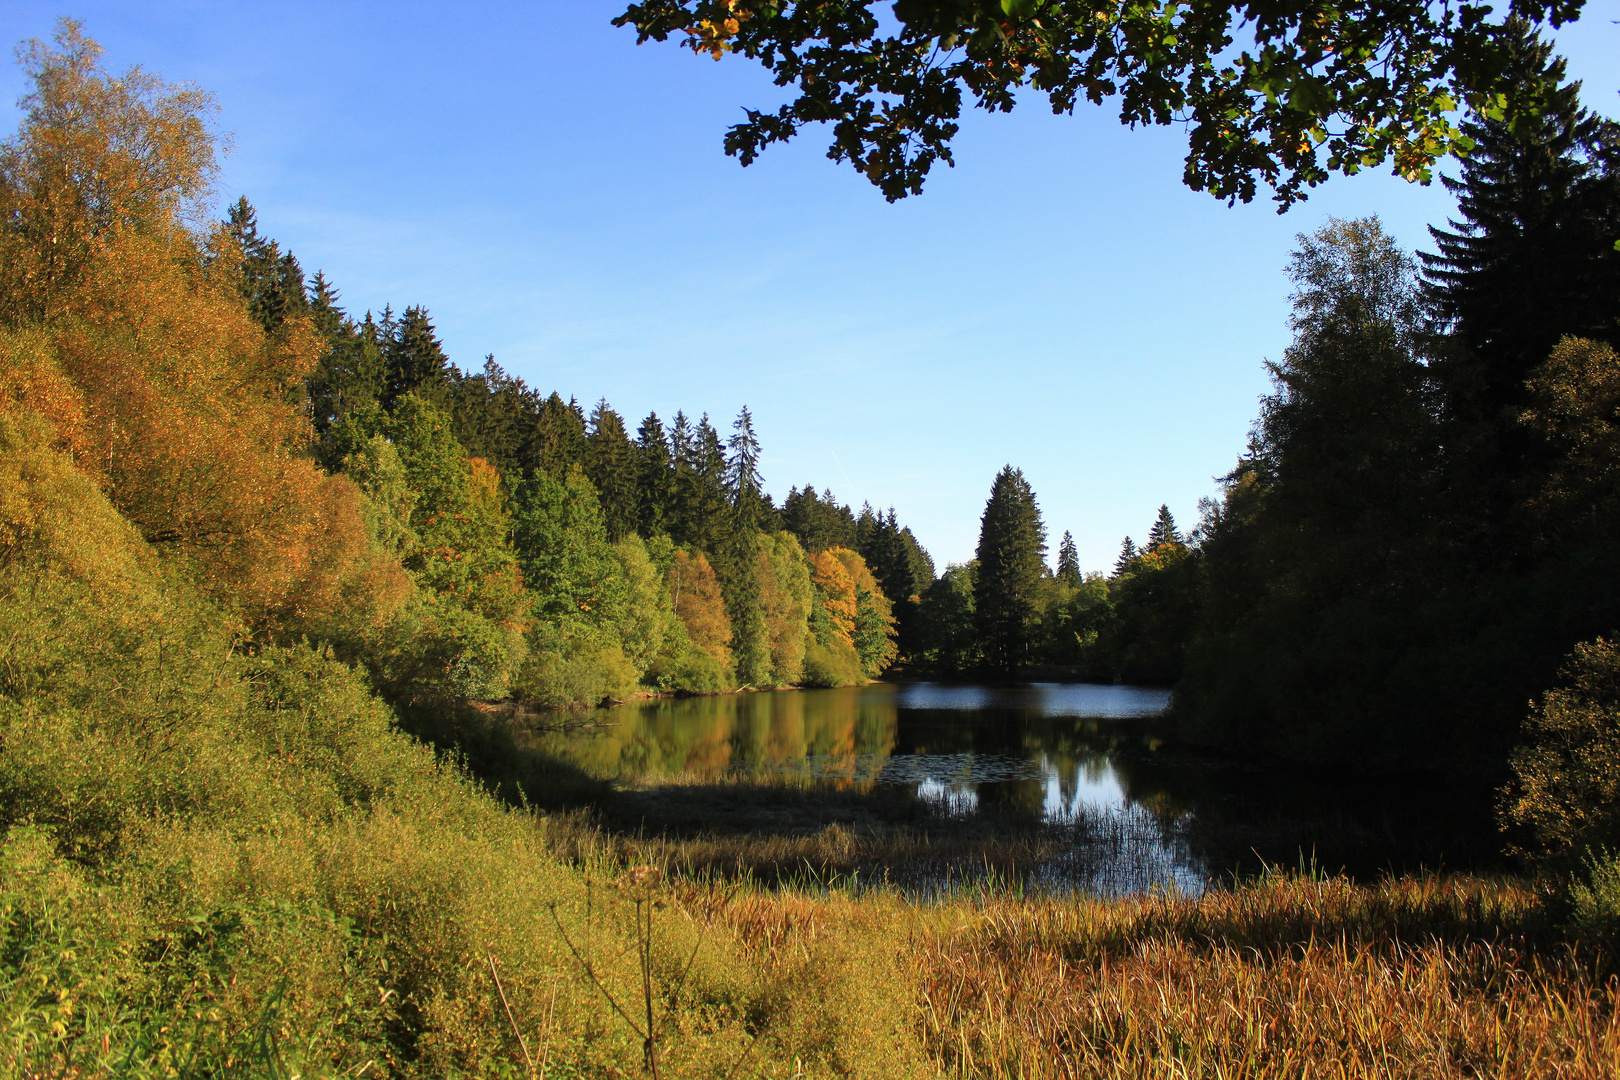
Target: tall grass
{"x": 1285, "y": 978}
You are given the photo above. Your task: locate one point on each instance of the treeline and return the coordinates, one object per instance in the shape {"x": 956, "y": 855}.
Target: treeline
{"x": 556, "y": 556}
{"x": 1423, "y": 525}
{"x": 1007, "y": 613}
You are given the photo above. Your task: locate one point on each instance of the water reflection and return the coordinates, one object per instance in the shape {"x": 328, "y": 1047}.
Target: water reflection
{"x": 1082, "y": 761}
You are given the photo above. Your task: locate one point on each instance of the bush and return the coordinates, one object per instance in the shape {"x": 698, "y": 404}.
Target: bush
{"x": 686, "y": 670}
{"x": 575, "y": 669}
{"x": 1567, "y": 793}
{"x": 832, "y": 665}
{"x": 1595, "y": 904}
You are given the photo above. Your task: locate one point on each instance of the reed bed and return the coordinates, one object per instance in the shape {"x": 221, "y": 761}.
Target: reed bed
{"x": 1282, "y": 978}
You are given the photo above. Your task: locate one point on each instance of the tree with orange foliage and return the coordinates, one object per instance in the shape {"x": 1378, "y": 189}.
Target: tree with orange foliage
{"x": 872, "y": 631}
{"x": 836, "y": 593}
{"x": 695, "y": 592}
{"x": 136, "y": 344}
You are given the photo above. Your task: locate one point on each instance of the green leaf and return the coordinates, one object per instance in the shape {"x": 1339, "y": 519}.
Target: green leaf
{"x": 1020, "y": 9}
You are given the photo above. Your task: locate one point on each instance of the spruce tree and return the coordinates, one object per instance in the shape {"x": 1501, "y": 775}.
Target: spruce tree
{"x": 1068, "y": 567}
{"x": 1164, "y": 532}
{"x": 1531, "y": 257}
{"x": 559, "y": 437}
{"x": 415, "y": 360}
{"x": 1011, "y": 558}
{"x": 654, "y": 477}
{"x": 270, "y": 280}
{"x": 744, "y": 483}
{"x": 1127, "y": 557}
{"x": 495, "y": 415}
{"x": 610, "y": 463}
{"x": 349, "y": 374}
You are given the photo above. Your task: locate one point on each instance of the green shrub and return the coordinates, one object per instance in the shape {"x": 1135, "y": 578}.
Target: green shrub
{"x": 581, "y": 668}
{"x": 686, "y": 670}
{"x": 831, "y": 665}
{"x": 1567, "y": 790}
{"x": 1595, "y": 904}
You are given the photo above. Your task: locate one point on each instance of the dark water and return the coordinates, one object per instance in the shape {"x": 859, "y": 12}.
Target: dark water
{"x": 1087, "y": 763}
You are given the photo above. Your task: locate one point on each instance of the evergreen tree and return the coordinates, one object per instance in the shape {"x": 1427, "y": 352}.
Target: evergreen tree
{"x": 704, "y": 510}
{"x": 654, "y": 477}
{"x": 818, "y": 520}
{"x": 743, "y": 481}
{"x": 414, "y": 360}
{"x": 495, "y": 415}
{"x": 1068, "y": 568}
{"x": 1164, "y": 532}
{"x": 271, "y": 281}
{"x": 610, "y": 463}
{"x": 559, "y": 437}
{"x": 1532, "y": 258}
{"x": 1127, "y": 557}
{"x": 1011, "y": 558}
{"x": 349, "y": 375}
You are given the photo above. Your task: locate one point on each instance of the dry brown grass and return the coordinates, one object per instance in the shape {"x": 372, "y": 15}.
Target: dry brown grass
{"x": 1288, "y": 977}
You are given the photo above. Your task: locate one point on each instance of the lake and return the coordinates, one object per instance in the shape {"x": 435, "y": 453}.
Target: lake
{"x": 1088, "y": 769}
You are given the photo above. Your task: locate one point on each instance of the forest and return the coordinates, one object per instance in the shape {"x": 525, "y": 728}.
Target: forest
{"x": 552, "y": 556}
{"x": 249, "y": 540}
{"x": 1421, "y": 528}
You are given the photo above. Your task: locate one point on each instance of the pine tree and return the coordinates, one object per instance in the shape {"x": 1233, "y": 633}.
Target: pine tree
{"x": 1532, "y": 257}
{"x": 1164, "y": 532}
{"x": 1068, "y": 568}
{"x": 1011, "y": 558}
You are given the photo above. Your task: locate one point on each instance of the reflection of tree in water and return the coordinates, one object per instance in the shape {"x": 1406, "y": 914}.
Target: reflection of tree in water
{"x": 709, "y": 735}
{"x": 1016, "y": 770}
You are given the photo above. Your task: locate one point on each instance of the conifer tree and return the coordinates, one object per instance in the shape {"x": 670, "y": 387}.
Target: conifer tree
{"x": 349, "y": 375}
{"x": 654, "y": 477}
{"x": 495, "y": 416}
{"x": 610, "y": 463}
{"x": 1531, "y": 257}
{"x": 414, "y": 359}
{"x": 559, "y": 436}
{"x": 271, "y": 281}
{"x": 1068, "y": 567}
{"x": 743, "y": 481}
{"x": 1164, "y": 532}
{"x": 1011, "y": 558}
{"x": 705, "y": 509}
{"x": 1127, "y": 557}
{"x": 818, "y": 520}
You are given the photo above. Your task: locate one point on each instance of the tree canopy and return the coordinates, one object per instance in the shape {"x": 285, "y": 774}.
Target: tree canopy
{"x": 1275, "y": 92}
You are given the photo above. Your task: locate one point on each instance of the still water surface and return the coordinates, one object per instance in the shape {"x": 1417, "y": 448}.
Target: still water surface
{"x": 1087, "y": 762}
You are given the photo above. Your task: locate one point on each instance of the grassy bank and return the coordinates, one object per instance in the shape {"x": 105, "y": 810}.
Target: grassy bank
{"x": 224, "y": 857}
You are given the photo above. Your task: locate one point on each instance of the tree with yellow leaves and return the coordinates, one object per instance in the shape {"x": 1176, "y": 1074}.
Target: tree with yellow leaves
{"x": 134, "y": 342}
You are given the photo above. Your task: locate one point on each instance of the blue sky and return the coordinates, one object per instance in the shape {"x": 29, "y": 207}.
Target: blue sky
{"x": 558, "y": 197}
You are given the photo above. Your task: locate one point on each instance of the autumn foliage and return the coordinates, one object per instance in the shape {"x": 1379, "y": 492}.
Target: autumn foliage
{"x": 121, "y": 326}
{"x": 696, "y": 594}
